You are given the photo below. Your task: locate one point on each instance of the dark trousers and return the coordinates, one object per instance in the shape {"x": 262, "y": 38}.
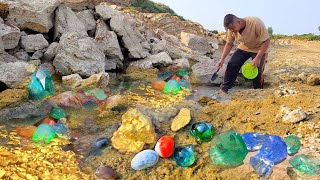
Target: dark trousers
{"x": 237, "y": 60}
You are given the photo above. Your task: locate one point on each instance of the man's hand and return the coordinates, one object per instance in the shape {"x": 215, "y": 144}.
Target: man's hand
{"x": 220, "y": 64}
{"x": 256, "y": 62}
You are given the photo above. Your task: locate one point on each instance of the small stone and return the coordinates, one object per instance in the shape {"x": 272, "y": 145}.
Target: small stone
{"x": 158, "y": 85}
{"x": 164, "y": 75}
{"x": 101, "y": 142}
{"x": 185, "y": 84}
{"x": 306, "y": 164}
{"x": 313, "y": 79}
{"x": 294, "y": 116}
{"x": 202, "y": 131}
{"x": 105, "y": 172}
{"x": 165, "y": 146}
{"x": 26, "y": 131}
{"x": 61, "y": 130}
{"x": 293, "y": 144}
{"x": 228, "y": 149}
{"x": 49, "y": 121}
{"x": 58, "y": 113}
{"x": 273, "y": 151}
{"x": 181, "y": 120}
{"x": 184, "y": 156}
{"x": 254, "y": 140}
{"x": 183, "y": 72}
{"x": 44, "y": 133}
{"x": 144, "y": 159}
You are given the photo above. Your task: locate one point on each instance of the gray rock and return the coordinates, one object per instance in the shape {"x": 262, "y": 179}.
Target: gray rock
{"x": 157, "y": 45}
{"x": 204, "y": 70}
{"x": 67, "y": 21}
{"x": 10, "y": 36}
{"x": 37, "y": 55}
{"x": 36, "y": 15}
{"x": 32, "y": 43}
{"x": 158, "y": 59}
{"x": 78, "y": 54}
{"x": 1, "y": 46}
{"x": 72, "y": 80}
{"x": 6, "y": 58}
{"x": 293, "y": 116}
{"x": 1, "y": 20}
{"x": 13, "y": 74}
{"x": 196, "y": 43}
{"x": 184, "y": 63}
{"x": 124, "y": 27}
{"x": 175, "y": 52}
{"x": 87, "y": 18}
{"x": 51, "y": 52}
{"x": 108, "y": 41}
{"x": 21, "y": 55}
{"x": 23, "y": 111}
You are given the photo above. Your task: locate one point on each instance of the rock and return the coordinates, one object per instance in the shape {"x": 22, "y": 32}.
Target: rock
{"x": 22, "y": 55}
{"x": 135, "y": 131}
{"x": 313, "y": 79}
{"x": 293, "y": 144}
{"x": 203, "y": 71}
{"x": 44, "y": 133}
{"x": 10, "y": 36}
{"x": 144, "y": 159}
{"x": 158, "y": 59}
{"x": 81, "y": 4}
{"x": 254, "y": 140}
{"x": 26, "y": 131}
{"x": 296, "y": 174}
{"x": 108, "y": 42}
{"x": 183, "y": 63}
{"x": 158, "y": 85}
{"x": 100, "y": 80}
{"x": 1, "y": 20}
{"x": 181, "y": 120}
{"x": 32, "y": 43}
{"x": 11, "y": 97}
{"x": 1, "y": 47}
{"x": 196, "y": 43}
{"x": 61, "y": 130}
{"x": 78, "y": 55}
{"x": 101, "y": 142}
{"x": 273, "y": 151}
{"x": 165, "y": 146}
{"x": 36, "y": 15}
{"x": 67, "y": 99}
{"x": 184, "y": 156}
{"x": 124, "y": 27}
{"x": 115, "y": 100}
{"x": 157, "y": 45}
{"x": 202, "y": 131}
{"x": 105, "y": 172}
{"x": 228, "y": 149}
{"x": 15, "y": 74}
{"x": 87, "y": 18}
{"x": 67, "y": 21}
{"x": 293, "y": 116}
{"x": 72, "y": 80}
{"x": 37, "y": 55}
{"x": 51, "y": 52}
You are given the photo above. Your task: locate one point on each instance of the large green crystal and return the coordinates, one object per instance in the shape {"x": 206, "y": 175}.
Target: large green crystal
{"x": 228, "y": 149}
{"x": 306, "y": 164}
{"x": 44, "y": 133}
{"x": 293, "y": 144}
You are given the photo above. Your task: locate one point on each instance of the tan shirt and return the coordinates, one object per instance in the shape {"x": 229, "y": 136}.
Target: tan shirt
{"x": 254, "y": 34}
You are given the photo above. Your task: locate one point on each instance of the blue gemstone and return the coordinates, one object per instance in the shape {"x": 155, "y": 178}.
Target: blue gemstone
{"x": 273, "y": 151}
{"x": 185, "y": 84}
{"x": 102, "y": 142}
{"x": 254, "y": 140}
{"x": 184, "y": 156}
{"x": 61, "y": 130}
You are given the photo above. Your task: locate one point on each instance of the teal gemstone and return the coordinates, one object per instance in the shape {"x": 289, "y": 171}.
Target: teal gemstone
{"x": 58, "y": 113}
{"x": 184, "y": 156}
{"x": 306, "y": 164}
{"x": 202, "y": 131}
{"x": 293, "y": 144}
{"x": 171, "y": 87}
{"x": 228, "y": 149}
{"x": 61, "y": 130}
{"x": 183, "y": 72}
{"x": 185, "y": 84}
{"x": 44, "y": 133}
{"x": 41, "y": 84}
{"x": 164, "y": 75}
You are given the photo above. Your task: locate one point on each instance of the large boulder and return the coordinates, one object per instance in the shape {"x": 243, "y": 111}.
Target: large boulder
{"x": 196, "y": 43}
{"x": 81, "y": 4}
{"x": 162, "y": 59}
{"x": 33, "y": 42}
{"x": 15, "y": 74}
{"x": 10, "y": 36}
{"x": 157, "y": 45}
{"x": 203, "y": 71}
{"x": 67, "y": 21}
{"x": 125, "y": 27}
{"x": 78, "y": 54}
{"x": 36, "y": 15}
{"x": 108, "y": 43}
{"x": 87, "y": 18}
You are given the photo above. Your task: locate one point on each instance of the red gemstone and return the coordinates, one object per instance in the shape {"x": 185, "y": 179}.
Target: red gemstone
{"x": 49, "y": 121}
{"x": 165, "y": 146}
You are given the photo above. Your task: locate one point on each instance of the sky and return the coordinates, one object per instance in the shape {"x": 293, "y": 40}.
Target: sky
{"x": 284, "y": 16}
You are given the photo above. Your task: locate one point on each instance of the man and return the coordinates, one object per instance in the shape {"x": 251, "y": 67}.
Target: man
{"x": 254, "y": 41}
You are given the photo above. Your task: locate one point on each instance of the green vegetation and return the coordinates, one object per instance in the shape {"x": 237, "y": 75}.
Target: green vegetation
{"x": 270, "y": 31}
{"x": 152, "y": 7}
{"x": 308, "y": 37}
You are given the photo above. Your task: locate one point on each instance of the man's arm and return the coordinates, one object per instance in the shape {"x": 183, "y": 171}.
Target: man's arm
{"x": 226, "y": 50}
{"x": 262, "y": 50}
